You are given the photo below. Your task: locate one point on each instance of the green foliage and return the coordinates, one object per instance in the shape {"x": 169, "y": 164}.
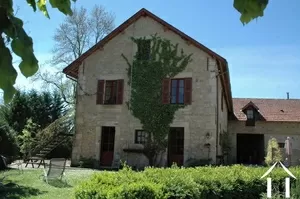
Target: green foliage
{"x": 197, "y": 162}
{"x": 87, "y": 162}
{"x": 11, "y": 28}
{"x": 250, "y": 9}
{"x": 146, "y": 76}
{"x": 273, "y": 152}
{"x": 26, "y": 139}
{"x": 43, "y": 108}
{"x": 227, "y": 182}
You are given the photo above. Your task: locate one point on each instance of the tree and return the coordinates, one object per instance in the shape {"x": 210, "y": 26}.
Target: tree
{"x": 79, "y": 32}
{"x": 72, "y": 38}
{"x": 273, "y": 153}
{"x": 12, "y": 32}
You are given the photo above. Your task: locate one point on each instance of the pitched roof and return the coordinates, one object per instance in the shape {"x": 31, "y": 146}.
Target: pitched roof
{"x": 72, "y": 69}
{"x": 285, "y": 110}
{"x": 250, "y": 104}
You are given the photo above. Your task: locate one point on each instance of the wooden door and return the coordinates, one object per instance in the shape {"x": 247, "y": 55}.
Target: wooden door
{"x": 176, "y": 146}
{"x": 107, "y": 146}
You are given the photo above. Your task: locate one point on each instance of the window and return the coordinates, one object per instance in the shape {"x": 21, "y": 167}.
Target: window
{"x": 177, "y": 91}
{"x": 250, "y": 115}
{"x": 250, "y": 118}
{"x": 140, "y": 137}
{"x": 110, "y": 92}
{"x": 143, "y": 51}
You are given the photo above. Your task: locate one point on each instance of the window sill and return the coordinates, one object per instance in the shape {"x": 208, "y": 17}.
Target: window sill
{"x": 109, "y": 107}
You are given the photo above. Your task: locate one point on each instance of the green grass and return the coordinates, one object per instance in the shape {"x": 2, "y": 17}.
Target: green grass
{"x": 31, "y": 185}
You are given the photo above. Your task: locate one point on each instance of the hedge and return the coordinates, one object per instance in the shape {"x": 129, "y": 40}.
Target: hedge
{"x": 226, "y": 182}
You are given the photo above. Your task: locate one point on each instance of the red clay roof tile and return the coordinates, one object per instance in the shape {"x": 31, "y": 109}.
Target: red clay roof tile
{"x": 287, "y": 110}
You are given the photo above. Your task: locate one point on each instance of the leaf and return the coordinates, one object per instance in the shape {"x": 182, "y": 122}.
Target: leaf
{"x": 42, "y": 6}
{"x": 32, "y": 4}
{"x": 8, "y": 73}
{"x": 29, "y": 66}
{"x": 18, "y": 47}
{"x": 250, "y": 9}
{"x": 63, "y": 6}
{"x": 7, "y": 5}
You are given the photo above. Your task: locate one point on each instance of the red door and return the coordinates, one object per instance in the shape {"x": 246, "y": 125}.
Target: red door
{"x": 176, "y": 146}
{"x": 107, "y": 146}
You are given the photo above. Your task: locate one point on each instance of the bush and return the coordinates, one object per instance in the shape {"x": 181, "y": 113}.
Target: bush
{"x": 197, "y": 162}
{"x": 87, "y": 163}
{"x": 226, "y": 182}
{"x": 273, "y": 152}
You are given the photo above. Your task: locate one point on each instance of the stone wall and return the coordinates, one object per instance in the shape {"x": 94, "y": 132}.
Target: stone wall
{"x": 197, "y": 119}
{"x": 278, "y": 130}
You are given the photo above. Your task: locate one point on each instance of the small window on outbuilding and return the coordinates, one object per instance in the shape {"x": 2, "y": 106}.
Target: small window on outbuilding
{"x": 250, "y": 117}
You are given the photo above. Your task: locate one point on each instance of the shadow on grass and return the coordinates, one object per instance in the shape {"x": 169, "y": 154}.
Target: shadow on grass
{"x": 14, "y": 191}
{"x": 58, "y": 183}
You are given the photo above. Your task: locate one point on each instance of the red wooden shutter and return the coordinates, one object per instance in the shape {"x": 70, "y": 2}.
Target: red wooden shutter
{"x": 166, "y": 91}
{"x": 100, "y": 92}
{"x": 120, "y": 91}
{"x": 188, "y": 91}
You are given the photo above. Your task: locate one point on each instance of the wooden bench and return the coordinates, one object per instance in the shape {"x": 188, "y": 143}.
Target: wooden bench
{"x": 33, "y": 160}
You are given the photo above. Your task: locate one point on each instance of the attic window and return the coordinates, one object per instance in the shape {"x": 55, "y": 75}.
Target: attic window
{"x": 250, "y": 115}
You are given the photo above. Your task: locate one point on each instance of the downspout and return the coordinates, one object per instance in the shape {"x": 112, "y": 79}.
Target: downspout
{"x": 217, "y": 114}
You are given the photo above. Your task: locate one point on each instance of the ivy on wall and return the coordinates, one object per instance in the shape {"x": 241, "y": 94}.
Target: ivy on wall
{"x": 150, "y": 66}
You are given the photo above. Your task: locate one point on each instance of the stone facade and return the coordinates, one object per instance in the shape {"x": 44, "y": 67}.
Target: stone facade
{"x": 278, "y": 130}
{"x": 199, "y": 119}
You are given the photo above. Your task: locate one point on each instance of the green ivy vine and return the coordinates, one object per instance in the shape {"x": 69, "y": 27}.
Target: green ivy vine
{"x": 146, "y": 77}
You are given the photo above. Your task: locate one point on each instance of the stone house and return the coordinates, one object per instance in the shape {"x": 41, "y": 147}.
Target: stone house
{"x": 256, "y": 121}
{"x": 106, "y": 130}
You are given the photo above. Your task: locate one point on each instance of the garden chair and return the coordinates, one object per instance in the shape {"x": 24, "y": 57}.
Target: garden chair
{"x": 56, "y": 169}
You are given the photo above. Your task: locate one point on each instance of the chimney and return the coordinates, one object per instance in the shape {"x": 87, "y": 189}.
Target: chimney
{"x": 287, "y": 95}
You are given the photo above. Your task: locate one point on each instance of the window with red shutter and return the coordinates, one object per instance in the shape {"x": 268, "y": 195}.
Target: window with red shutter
{"x": 110, "y": 96}
{"x": 120, "y": 91}
{"x": 177, "y": 91}
{"x": 100, "y": 92}
{"x": 166, "y": 91}
{"x": 188, "y": 91}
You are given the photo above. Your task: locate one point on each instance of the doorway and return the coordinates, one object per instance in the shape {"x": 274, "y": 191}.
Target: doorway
{"x": 250, "y": 149}
{"x": 176, "y": 146}
{"x": 107, "y": 146}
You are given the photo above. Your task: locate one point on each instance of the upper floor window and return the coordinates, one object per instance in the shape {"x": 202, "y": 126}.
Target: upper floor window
{"x": 250, "y": 114}
{"x": 110, "y": 91}
{"x": 250, "y": 117}
{"x": 140, "y": 137}
{"x": 144, "y": 49}
{"x": 177, "y": 91}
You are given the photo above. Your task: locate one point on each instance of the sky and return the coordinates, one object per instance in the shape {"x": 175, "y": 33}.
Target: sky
{"x": 263, "y": 56}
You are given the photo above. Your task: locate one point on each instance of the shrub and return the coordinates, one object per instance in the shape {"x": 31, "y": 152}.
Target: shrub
{"x": 197, "y": 162}
{"x": 273, "y": 152}
{"x": 226, "y": 182}
{"x": 87, "y": 162}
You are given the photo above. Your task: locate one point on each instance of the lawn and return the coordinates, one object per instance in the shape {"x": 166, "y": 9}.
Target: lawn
{"x": 30, "y": 185}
